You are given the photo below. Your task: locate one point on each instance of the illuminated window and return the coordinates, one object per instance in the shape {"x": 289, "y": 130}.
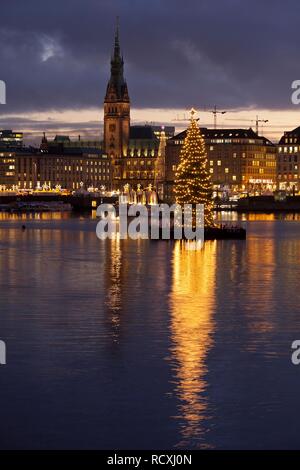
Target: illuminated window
{"x": 233, "y": 177}
{"x": 226, "y": 170}
{"x": 211, "y": 162}
{"x": 219, "y": 162}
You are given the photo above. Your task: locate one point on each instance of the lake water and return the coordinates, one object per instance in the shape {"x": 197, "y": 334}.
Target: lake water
{"x": 145, "y": 345}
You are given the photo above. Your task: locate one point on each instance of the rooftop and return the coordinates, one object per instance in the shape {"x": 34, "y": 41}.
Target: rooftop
{"x": 226, "y": 134}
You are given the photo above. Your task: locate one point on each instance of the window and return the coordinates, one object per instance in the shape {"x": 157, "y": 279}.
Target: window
{"x": 219, "y": 162}
{"x": 174, "y": 167}
{"x": 226, "y": 170}
{"x": 233, "y": 177}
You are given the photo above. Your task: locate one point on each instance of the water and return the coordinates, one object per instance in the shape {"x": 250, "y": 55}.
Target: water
{"x": 139, "y": 344}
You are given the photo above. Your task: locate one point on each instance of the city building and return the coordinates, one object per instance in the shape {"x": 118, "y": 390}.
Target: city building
{"x": 64, "y": 141}
{"x": 9, "y": 168}
{"x": 136, "y": 152}
{"x": 29, "y": 168}
{"x": 288, "y": 171}
{"x": 239, "y": 161}
{"x": 8, "y": 138}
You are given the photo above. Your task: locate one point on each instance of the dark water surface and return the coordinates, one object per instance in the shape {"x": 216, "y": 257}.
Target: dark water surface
{"x": 139, "y": 344}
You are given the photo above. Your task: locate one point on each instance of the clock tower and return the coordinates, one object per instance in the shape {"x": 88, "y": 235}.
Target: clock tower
{"x": 116, "y": 113}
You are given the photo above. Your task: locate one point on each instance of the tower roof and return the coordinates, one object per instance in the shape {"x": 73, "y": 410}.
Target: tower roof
{"x": 117, "y": 87}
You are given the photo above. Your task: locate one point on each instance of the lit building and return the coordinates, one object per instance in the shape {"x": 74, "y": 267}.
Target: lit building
{"x": 288, "y": 172}
{"x": 8, "y": 138}
{"x": 136, "y": 152}
{"x": 8, "y": 170}
{"x": 29, "y": 168}
{"x": 238, "y": 160}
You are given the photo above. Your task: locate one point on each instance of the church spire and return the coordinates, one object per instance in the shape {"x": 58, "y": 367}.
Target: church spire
{"x": 117, "y": 40}
{"x": 117, "y": 84}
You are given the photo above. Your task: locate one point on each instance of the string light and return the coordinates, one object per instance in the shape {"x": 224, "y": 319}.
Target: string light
{"x": 192, "y": 180}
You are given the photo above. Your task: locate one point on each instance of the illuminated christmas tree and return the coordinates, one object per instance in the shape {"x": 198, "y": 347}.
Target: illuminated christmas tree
{"x": 193, "y": 184}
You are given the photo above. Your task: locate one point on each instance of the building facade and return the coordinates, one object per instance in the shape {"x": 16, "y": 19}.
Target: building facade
{"x": 116, "y": 113}
{"x": 29, "y": 169}
{"x": 9, "y": 139}
{"x": 288, "y": 170}
{"x": 136, "y": 153}
{"x": 238, "y": 159}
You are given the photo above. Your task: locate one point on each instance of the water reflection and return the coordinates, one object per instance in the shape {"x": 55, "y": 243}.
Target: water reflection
{"x": 192, "y": 304}
{"x": 233, "y": 216}
{"x": 113, "y": 291}
{"x": 23, "y": 216}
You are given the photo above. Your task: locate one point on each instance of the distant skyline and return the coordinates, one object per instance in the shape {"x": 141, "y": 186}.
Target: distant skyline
{"x": 55, "y": 62}
{"x": 88, "y": 123}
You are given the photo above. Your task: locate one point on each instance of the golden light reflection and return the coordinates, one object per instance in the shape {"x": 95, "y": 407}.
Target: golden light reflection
{"x": 261, "y": 299}
{"x": 114, "y": 293}
{"x": 192, "y": 327}
{"x": 23, "y": 216}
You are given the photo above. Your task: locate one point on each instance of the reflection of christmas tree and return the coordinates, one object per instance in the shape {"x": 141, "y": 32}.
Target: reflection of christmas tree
{"x": 193, "y": 184}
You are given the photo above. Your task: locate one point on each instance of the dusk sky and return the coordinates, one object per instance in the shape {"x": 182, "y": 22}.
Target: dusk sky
{"x": 241, "y": 56}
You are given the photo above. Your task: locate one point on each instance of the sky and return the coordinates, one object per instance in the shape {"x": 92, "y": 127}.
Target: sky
{"x": 241, "y": 56}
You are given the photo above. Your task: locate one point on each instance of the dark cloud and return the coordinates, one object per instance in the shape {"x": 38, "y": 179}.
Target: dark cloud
{"x": 55, "y": 55}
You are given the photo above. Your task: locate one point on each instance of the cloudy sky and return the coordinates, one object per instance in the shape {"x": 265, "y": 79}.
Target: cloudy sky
{"x": 241, "y": 56}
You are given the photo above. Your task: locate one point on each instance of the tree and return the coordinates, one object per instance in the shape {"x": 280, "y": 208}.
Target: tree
{"x": 193, "y": 184}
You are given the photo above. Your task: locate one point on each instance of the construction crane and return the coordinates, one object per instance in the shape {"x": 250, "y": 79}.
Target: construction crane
{"x": 214, "y": 111}
{"x": 257, "y": 121}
